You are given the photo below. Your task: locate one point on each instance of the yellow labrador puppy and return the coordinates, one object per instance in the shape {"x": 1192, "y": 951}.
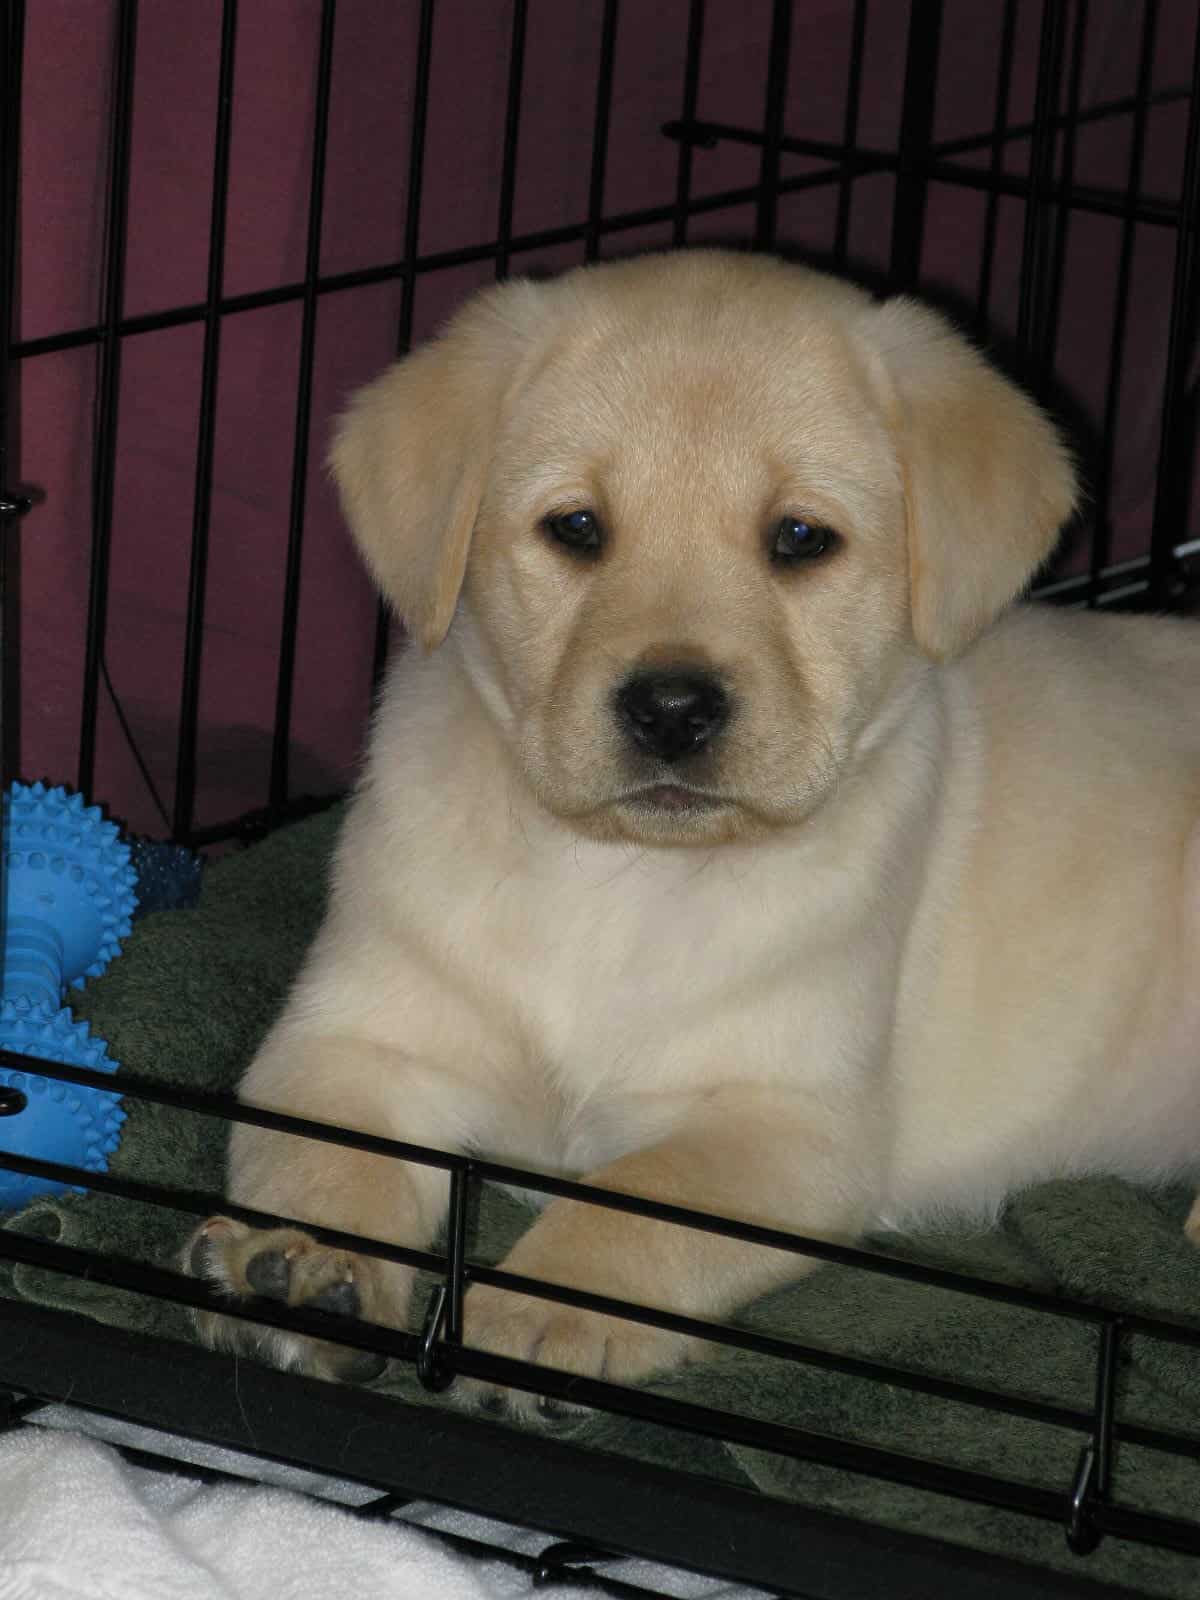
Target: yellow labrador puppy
{"x": 730, "y": 841}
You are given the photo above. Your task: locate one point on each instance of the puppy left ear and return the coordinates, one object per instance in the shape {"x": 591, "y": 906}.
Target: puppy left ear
{"x": 988, "y": 481}
{"x": 412, "y": 454}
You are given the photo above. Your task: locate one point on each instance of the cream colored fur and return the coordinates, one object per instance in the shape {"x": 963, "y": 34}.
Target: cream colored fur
{"x": 933, "y": 934}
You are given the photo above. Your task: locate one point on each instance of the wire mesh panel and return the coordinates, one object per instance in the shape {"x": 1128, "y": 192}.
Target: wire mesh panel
{"x": 230, "y": 218}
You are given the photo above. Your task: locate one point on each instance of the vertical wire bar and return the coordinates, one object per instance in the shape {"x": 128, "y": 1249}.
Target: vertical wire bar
{"x": 1172, "y": 479}
{"x": 286, "y": 678}
{"x": 12, "y": 48}
{"x": 1102, "y": 527}
{"x": 691, "y": 91}
{"x": 461, "y": 1180}
{"x": 858, "y": 39}
{"x": 600, "y": 125}
{"x": 1008, "y": 40}
{"x": 408, "y": 283}
{"x": 1043, "y": 364}
{"x": 916, "y": 132}
{"x": 1107, "y": 1361}
{"x": 776, "y": 100}
{"x": 1041, "y": 161}
{"x": 116, "y": 221}
{"x": 189, "y": 704}
{"x": 512, "y": 134}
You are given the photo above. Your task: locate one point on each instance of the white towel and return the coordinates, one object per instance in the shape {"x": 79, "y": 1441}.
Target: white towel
{"x": 77, "y": 1522}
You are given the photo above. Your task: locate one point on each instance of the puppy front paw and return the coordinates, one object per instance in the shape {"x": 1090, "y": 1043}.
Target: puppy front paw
{"x": 583, "y": 1343}
{"x": 287, "y": 1265}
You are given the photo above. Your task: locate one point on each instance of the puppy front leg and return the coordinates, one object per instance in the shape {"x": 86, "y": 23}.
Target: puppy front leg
{"x": 759, "y": 1157}
{"x": 354, "y": 1083}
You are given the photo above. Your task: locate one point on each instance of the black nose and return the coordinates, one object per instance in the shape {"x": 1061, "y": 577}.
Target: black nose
{"x": 672, "y": 714}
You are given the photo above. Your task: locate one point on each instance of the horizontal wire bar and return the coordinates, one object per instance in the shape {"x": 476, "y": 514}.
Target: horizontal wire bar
{"x": 161, "y": 1283}
{"x": 865, "y": 161}
{"x": 728, "y": 1427}
{"x": 1023, "y": 130}
{"x": 392, "y": 271}
{"x": 227, "y": 1108}
{"x": 1161, "y": 213}
{"x": 703, "y": 129}
{"x": 199, "y": 1203}
{"x": 640, "y": 1404}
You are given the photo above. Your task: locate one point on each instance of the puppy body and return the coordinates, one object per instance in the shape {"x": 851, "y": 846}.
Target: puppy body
{"x": 918, "y": 925}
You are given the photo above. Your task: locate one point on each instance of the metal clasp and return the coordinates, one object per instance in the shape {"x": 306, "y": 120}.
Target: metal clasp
{"x": 433, "y": 1370}
{"x": 567, "y": 1558}
{"x": 1082, "y": 1534}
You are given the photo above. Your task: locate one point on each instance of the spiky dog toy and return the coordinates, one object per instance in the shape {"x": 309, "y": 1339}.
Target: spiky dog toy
{"x": 68, "y": 887}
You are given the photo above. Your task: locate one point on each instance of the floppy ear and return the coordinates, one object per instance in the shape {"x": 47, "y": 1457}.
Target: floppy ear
{"x": 988, "y": 482}
{"x": 411, "y": 455}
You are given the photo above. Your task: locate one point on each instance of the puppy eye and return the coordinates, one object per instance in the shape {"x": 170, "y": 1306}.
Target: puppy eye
{"x": 793, "y": 540}
{"x": 577, "y": 530}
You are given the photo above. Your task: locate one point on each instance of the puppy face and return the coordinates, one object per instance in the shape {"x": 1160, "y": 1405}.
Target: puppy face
{"x": 704, "y": 511}
{"x": 689, "y": 573}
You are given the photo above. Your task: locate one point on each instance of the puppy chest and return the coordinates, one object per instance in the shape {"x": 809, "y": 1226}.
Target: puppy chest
{"x": 683, "y": 996}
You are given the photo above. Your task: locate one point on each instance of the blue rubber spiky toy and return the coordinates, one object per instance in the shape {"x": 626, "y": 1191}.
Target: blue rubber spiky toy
{"x": 68, "y": 887}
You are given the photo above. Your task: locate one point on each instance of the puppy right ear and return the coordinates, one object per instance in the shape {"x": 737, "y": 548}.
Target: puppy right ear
{"x": 411, "y": 455}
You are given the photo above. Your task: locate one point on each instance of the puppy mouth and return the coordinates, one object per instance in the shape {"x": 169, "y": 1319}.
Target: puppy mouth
{"x": 674, "y": 799}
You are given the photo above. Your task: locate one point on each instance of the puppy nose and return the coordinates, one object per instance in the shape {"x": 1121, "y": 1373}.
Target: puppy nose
{"x": 671, "y": 714}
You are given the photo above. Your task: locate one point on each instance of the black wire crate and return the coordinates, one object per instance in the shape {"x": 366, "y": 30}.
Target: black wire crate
{"x": 1031, "y": 165}
{"x": 453, "y": 1453}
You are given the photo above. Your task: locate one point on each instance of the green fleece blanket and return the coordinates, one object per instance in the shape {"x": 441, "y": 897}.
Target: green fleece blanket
{"x": 194, "y": 992}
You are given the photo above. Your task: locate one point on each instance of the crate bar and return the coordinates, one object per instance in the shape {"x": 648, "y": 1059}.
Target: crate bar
{"x": 286, "y": 677}
{"x": 12, "y": 46}
{"x": 116, "y": 222}
{"x": 1032, "y": 290}
{"x": 987, "y": 260}
{"x": 199, "y": 1203}
{"x": 229, "y": 1109}
{"x": 512, "y": 135}
{"x": 185, "y": 761}
{"x": 600, "y": 130}
{"x": 916, "y": 135}
{"x": 777, "y": 1438}
{"x": 704, "y": 132}
{"x": 407, "y": 269}
{"x": 858, "y": 37}
{"x": 432, "y": 1452}
{"x": 661, "y": 1410}
{"x": 867, "y": 159}
{"x": 1101, "y": 202}
{"x": 1172, "y": 483}
{"x": 691, "y": 90}
{"x": 1102, "y": 112}
{"x": 778, "y": 57}
{"x": 461, "y": 1185}
{"x": 1107, "y": 1360}
{"x": 1047, "y": 338}
{"x": 161, "y": 1283}
{"x": 1101, "y": 550}
{"x": 458, "y": 1273}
